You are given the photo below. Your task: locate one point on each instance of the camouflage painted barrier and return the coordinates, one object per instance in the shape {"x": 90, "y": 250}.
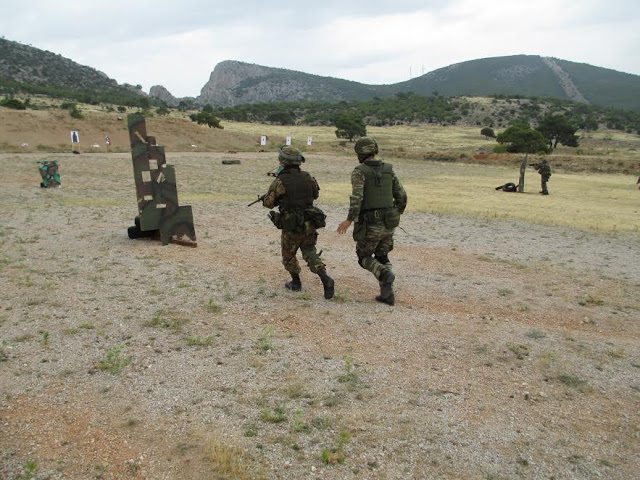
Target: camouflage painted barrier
{"x": 49, "y": 174}
{"x": 159, "y": 212}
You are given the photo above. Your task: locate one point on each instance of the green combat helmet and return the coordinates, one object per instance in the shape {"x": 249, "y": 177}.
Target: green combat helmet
{"x": 365, "y": 147}
{"x": 289, "y": 156}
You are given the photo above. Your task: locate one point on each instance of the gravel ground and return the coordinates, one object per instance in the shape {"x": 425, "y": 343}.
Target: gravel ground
{"x": 513, "y": 350}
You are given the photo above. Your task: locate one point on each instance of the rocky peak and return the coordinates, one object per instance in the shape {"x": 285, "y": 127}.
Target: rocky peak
{"x": 161, "y": 93}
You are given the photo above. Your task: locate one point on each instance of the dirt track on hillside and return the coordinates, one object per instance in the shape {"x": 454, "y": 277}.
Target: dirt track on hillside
{"x": 513, "y": 350}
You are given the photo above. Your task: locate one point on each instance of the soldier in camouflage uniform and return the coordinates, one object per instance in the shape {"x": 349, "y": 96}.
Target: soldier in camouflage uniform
{"x": 293, "y": 192}
{"x": 544, "y": 170}
{"x": 376, "y": 203}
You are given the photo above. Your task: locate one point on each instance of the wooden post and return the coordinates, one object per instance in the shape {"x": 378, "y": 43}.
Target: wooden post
{"x": 523, "y": 169}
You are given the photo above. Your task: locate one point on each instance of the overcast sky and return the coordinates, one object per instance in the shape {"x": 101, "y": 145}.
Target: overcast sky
{"x": 178, "y": 44}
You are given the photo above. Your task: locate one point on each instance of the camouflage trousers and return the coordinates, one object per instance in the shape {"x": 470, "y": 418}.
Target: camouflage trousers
{"x": 543, "y": 183}
{"x": 374, "y": 241}
{"x": 306, "y": 242}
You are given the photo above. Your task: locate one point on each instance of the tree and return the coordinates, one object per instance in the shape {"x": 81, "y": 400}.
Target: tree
{"x": 208, "y": 119}
{"x": 281, "y": 117}
{"x": 488, "y": 132}
{"x": 162, "y": 110}
{"x": 121, "y": 109}
{"x": 350, "y": 125}
{"x": 558, "y": 129}
{"x": 521, "y": 138}
{"x": 75, "y": 112}
{"x": 185, "y": 105}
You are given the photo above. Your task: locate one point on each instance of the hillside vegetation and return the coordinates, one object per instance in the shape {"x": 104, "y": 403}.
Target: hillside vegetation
{"x": 46, "y": 129}
{"x": 25, "y": 69}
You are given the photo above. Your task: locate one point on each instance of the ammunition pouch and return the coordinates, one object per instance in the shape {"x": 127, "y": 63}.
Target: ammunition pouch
{"x": 275, "y": 219}
{"x": 292, "y": 221}
{"x": 389, "y": 216}
{"x": 315, "y": 216}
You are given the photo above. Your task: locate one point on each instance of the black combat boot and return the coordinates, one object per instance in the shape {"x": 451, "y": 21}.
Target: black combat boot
{"x": 327, "y": 283}
{"x": 390, "y": 300}
{"x": 386, "y": 287}
{"x": 295, "y": 284}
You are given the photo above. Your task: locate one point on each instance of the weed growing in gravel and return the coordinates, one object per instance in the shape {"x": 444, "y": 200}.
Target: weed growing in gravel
{"x": 333, "y": 455}
{"x": 276, "y": 415}
{"x": 295, "y": 389}
{"x": 591, "y": 301}
{"x": 298, "y": 425}
{"x": 44, "y": 339}
{"x": 133, "y": 467}
{"x": 547, "y": 359}
{"x": 304, "y": 295}
{"x": 114, "y": 362}
{"x": 30, "y": 467}
{"x": 227, "y": 460}
{"x": 251, "y": 430}
{"x": 3, "y": 354}
{"x": 23, "y": 338}
{"x": 349, "y": 377}
{"x": 341, "y": 295}
{"x": 520, "y": 351}
{"x": 535, "y": 334}
{"x": 212, "y": 306}
{"x": 571, "y": 380}
{"x": 182, "y": 448}
{"x": 319, "y": 422}
{"x": 503, "y": 292}
{"x": 617, "y": 353}
{"x": 167, "y": 319}
{"x": 265, "y": 342}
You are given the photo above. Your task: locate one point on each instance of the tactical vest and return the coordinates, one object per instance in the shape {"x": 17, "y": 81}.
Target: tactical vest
{"x": 298, "y": 186}
{"x": 378, "y": 185}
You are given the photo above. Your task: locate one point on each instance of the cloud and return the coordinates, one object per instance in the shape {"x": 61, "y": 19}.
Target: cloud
{"x": 374, "y": 41}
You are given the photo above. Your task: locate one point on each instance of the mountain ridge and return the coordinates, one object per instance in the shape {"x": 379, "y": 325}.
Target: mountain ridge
{"x": 233, "y": 83}
{"x": 31, "y": 70}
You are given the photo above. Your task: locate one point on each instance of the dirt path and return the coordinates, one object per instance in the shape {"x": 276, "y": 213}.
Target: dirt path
{"x": 513, "y": 350}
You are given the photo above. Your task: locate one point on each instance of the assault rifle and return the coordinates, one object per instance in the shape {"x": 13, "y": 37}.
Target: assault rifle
{"x": 534, "y": 165}
{"x": 260, "y": 198}
{"x": 271, "y": 173}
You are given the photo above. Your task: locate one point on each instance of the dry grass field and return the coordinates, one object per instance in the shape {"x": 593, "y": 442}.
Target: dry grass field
{"x": 513, "y": 350}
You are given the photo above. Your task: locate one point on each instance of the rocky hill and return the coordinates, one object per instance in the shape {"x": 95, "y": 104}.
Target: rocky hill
{"x": 27, "y": 69}
{"x": 234, "y": 83}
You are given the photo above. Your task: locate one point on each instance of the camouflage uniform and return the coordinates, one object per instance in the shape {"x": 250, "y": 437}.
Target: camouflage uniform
{"x": 376, "y": 203}
{"x": 544, "y": 170}
{"x": 293, "y": 192}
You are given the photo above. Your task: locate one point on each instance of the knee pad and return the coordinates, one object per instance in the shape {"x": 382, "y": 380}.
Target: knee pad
{"x": 383, "y": 259}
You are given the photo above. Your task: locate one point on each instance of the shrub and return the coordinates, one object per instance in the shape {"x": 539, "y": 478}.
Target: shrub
{"x": 13, "y": 103}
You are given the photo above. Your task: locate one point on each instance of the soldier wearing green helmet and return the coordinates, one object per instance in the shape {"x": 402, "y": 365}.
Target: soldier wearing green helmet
{"x": 376, "y": 203}
{"x": 293, "y": 192}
